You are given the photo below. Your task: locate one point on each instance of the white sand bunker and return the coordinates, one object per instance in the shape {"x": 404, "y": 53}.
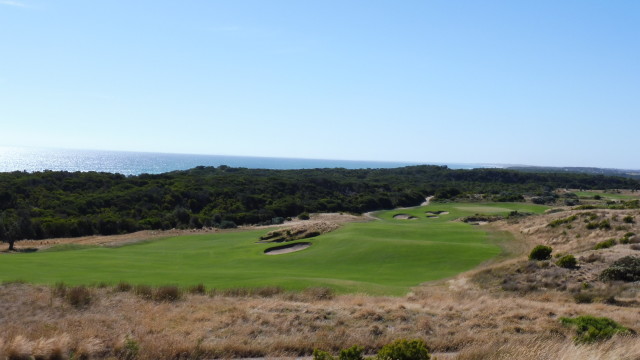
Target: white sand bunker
{"x": 404, "y": 217}
{"x": 436, "y": 213}
{"x": 285, "y": 249}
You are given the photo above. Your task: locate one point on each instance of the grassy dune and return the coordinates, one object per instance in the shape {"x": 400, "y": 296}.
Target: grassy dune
{"x": 387, "y": 256}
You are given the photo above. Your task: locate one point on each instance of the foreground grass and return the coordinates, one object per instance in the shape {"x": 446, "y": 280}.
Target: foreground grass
{"x": 388, "y": 256}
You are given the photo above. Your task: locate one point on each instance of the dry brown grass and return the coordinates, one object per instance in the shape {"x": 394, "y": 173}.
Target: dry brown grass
{"x": 454, "y": 323}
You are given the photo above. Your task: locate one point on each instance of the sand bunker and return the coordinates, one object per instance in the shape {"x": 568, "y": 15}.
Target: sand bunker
{"x": 285, "y": 249}
{"x": 404, "y": 217}
{"x": 436, "y": 213}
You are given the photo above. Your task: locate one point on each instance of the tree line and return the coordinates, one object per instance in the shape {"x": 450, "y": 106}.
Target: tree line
{"x": 68, "y": 204}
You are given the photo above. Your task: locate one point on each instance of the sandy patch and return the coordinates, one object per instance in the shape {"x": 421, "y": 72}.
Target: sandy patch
{"x": 285, "y": 249}
{"x": 427, "y": 200}
{"x": 429, "y": 213}
{"x": 404, "y": 217}
{"x": 479, "y": 223}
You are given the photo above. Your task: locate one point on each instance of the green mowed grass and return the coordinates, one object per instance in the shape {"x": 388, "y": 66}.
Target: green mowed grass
{"x": 591, "y": 194}
{"x": 383, "y": 257}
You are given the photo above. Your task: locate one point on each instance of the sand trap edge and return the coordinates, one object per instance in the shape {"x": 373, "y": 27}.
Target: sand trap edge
{"x": 285, "y": 249}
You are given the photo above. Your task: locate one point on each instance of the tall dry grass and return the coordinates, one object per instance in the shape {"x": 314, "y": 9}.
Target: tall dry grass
{"x": 454, "y": 324}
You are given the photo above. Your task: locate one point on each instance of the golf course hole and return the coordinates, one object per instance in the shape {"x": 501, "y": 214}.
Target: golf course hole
{"x": 285, "y": 249}
{"x": 404, "y": 217}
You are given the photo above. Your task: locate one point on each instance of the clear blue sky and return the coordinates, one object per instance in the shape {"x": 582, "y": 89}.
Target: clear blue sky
{"x": 521, "y": 82}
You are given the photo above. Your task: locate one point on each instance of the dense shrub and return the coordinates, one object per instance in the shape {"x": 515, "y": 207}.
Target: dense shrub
{"x": 540, "y": 252}
{"x": 321, "y": 355}
{"x": 404, "y": 350}
{"x": 624, "y": 269}
{"x": 605, "y": 244}
{"x": 591, "y": 329}
{"x": 567, "y": 262}
{"x": 398, "y": 350}
{"x": 353, "y": 353}
{"x": 628, "y": 219}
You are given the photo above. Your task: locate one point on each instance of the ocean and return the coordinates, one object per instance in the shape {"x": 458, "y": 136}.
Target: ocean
{"x": 135, "y": 163}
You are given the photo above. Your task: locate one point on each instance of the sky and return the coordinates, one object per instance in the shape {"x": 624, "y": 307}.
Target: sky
{"x": 536, "y": 82}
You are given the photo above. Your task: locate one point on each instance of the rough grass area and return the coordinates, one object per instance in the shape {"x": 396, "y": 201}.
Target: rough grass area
{"x": 386, "y": 256}
{"x": 461, "y": 324}
{"x": 605, "y": 195}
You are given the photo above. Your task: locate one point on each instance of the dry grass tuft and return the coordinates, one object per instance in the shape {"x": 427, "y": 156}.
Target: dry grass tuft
{"x": 79, "y": 297}
{"x": 167, "y": 293}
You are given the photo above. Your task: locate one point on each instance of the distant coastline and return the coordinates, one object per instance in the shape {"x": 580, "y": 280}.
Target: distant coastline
{"x": 135, "y": 163}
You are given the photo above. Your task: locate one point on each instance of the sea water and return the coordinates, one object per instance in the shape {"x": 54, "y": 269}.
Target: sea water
{"x": 134, "y": 163}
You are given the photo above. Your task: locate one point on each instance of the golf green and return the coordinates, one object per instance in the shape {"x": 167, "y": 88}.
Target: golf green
{"x": 385, "y": 256}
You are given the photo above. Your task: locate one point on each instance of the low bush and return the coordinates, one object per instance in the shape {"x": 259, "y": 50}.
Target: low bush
{"x": 635, "y": 246}
{"x": 628, "y": 238}
{"x": 623, "y": 269}
{"x": 304, "y": 216}
{"x": 398, "y": 350}
{"x": 567, "y": 262}
{"x": 591, "y": 329}
{"x": 556, "y": 223}
{"x": 628, "y": 219}
{"x": 404, "y": 350}
{"x": 540, "y": 252}
{"x": 605, "y": 244}
{"x": 353, "y": 353}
